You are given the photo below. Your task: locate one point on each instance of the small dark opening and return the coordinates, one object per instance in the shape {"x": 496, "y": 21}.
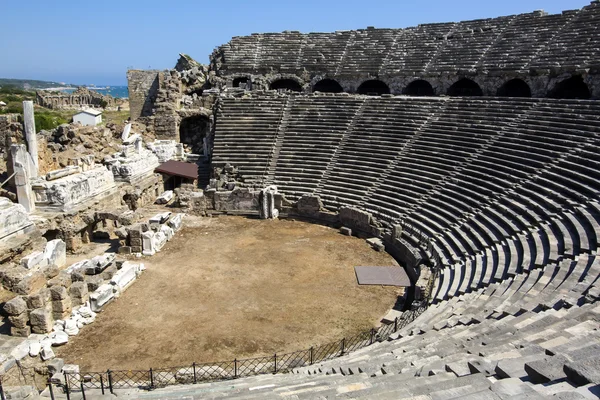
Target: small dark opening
{"x": 515, "y": 88}
{"x": 465, "y": 87}
{"x": 241, "y": 82}
{"x": 192, "y": 131}
{"x": 328, "y": 86}
{"x": 52, "y": 234}
{"x": 419, "y": 87}
{"x": 572, "y": 88}
{"x": 286, "y": 84}
{"x": 374, "y": 88}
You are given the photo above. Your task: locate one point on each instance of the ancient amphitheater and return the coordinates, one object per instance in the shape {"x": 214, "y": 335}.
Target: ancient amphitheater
{"x": 467, "y": 151}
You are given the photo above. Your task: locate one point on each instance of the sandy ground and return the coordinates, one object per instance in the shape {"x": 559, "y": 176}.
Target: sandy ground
{"x": 234, "y": 287}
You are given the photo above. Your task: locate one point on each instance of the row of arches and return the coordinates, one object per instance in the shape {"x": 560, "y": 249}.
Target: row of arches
{"x": 571, "y": 88}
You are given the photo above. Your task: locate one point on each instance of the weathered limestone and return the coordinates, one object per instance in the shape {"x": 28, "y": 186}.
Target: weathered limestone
{"x": 30, "y": 136}
{"x": 101, "y": 297}
{"x": 165, "y": 197}
{"x": 69, "y": 191}
{"x": 266, "y": 199}
{"x": 13, "y": 219}
{"x": 167, "y": 150}
{"x": 125, "y": 276}
{"x": 61, "y": 173}
{"x": 41, "y": 320}
{"x": 132, "y": 162}
{"x": 23, "y": 169}
{"x": 56, "y": 253}
{"x": 126, "y": 131}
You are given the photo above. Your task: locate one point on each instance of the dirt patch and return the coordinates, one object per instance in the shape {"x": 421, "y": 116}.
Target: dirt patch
{"x": 234, "y": 287}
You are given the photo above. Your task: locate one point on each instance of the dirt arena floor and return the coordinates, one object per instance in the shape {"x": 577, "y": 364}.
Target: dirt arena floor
{"x": 232, "y": 287}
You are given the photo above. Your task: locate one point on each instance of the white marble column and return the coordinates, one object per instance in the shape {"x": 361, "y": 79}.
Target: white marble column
{"x": 30, "y": 136}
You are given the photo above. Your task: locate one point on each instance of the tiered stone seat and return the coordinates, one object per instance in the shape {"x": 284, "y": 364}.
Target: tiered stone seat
{"x": 467, "y": 44}
{"x": 315, "y": 130}
{"x": 522, "y": 39}
{"x": 245, "y": 134}
{"x": 571, "y": 46}
{"x": 508, "y": 44}
{"x": 383, "y": 129}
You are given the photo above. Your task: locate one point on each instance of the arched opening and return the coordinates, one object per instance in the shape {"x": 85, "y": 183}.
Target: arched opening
{"x": 374, "y": 87}
{"x": 241, "y": 82}
{"x": 286, "y": 84}
{"x": 419, "y": 87}
{"x": 515, "y": 88}
{"x": 328, "y": 86}
{"x": 192, "y": 131}
{"x": 465, "y": 87}
{"x": 572, "y": 88}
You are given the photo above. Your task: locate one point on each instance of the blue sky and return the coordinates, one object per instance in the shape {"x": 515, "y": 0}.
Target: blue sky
{"x": 96, "y": 42}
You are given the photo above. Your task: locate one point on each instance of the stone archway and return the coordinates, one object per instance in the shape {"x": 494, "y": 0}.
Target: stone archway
{"x": 571, "y": 88}
{"x": 192, "y": 131}
{"x": 419, "y": 87}
{"x": 328, "y": 86}
{"x": 465, "y": 87}
{"x": 374, "y": 87}
{"x": 286, "y": 84}
{"x": 514, "y": 88}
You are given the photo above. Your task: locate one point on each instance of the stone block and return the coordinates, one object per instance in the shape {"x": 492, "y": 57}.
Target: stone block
{"x": 78, "y": 290}
{"x": 101, "y": 297}
{"x": 19, "y": 321}
{"x": 15, "y": 306}
{"x": 148, "y": 246}
{"x": 41, "y": 320}
{"x": 34, "y": 261}
{"x": 79, "y": 266}
{"x": 55, "y": 366}
{"x": 160, "y": 218}
{"x": 58, "y": 293}
{"x": 30, "y": 284}
{"x": 56, "y": 253}
{"x": 58, "y": 338}
{"x": 547, "y": 370}
{"x": 34, "y": 349}
{"x": 346, "y": 231}
{"x": 125, "y": 277}
{"x": 94, "y": 282}
{"x": 135, "y": 241}
{"x": 165, "y": 197}
{"x": 167, "y": 231}
{"x": 376, "y": 243}
{"x": 136, "y": 249}
{"x": 582, "y": 372}
{"x": 20, "y": 332}
{"x": 36, "y": 300}
{"x": 62, "y": 307}
{"x": 99, "y": 263}
{"x": 176, "y": 221}
{"x": 47, "y": 353}
{"x": 124, "y": 250}
{"x": 62, "y": 279}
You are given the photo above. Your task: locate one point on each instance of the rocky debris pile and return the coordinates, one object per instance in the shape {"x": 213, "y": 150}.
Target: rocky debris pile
{"x": 149, "y": 237}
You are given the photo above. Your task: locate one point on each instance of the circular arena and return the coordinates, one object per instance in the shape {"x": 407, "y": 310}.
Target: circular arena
{"x": 218, "y": 260}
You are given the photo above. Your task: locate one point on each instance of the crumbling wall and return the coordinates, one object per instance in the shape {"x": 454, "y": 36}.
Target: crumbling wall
{"x": 143, "y": 89}
{"x": 79, "y": 99}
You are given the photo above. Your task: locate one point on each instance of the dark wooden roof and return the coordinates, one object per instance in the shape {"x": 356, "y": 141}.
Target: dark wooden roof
{"x": 178, "y": 168}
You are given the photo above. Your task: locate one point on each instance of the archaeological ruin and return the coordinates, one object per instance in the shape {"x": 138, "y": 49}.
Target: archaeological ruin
{"x": 79, "y": 99}
{"x": 467, "y": 152}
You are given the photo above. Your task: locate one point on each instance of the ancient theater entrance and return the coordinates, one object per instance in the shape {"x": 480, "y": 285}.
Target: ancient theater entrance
{"x": 234, "y": 287}
{"x": 572, "y": 88}
{"x": 286, "y": 84}
{"x": 192, "y": 131}
{"x": 465, "y": 87}
{"x": 374, "y": 87}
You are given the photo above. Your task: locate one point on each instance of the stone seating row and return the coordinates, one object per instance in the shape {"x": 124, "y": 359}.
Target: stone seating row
{"x": 510, "y": 43}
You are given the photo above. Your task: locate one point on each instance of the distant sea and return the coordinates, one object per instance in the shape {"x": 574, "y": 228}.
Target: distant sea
{"x": 114, "y": 91}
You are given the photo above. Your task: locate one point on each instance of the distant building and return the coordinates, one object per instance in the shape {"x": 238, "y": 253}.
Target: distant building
{"x": 88, "y": 117}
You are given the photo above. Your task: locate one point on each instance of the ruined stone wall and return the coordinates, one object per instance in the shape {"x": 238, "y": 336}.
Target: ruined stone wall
{"x": 79, "y": 99}
{"x": 143, "y": 89}
{"x": 11, "y": 131}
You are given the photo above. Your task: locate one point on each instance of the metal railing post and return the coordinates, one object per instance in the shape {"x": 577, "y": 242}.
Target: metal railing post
{"x": 235, "y": 371}
{"x": 372, "y": 335}
{"x": 396, "y": 325}
{"x": 311, "y": 356}
{"x": 195, "y": 377}
{"x": 151, "y": 379}
{"x": 82, "y": 388}
{"x": 275, "y": 359}
{"x": 102, "y": 383}
{"x": 50, "y": 388}
{"x": 110, "y": 382}
{"x": 67, "y": 390}
{"x": 343, "y": 347}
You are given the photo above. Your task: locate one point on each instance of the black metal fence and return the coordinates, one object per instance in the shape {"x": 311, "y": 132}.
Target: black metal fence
{"x": 206, "y": 372}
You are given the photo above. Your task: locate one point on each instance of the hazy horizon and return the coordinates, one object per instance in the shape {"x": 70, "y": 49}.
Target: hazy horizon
{"x": 85, "y": 43}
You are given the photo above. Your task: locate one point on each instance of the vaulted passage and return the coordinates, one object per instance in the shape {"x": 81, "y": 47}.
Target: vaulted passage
{"x": 572, "y": 88}
{"x": 465, "y": 87}
{"x": 328, "y": 86}
{"x": 514, "y": 88}
{"x": 419, "y": 87}
{"x": 286, "y": 84}
{"x": 373, "y": 88}
{"x": 192, "y": 131}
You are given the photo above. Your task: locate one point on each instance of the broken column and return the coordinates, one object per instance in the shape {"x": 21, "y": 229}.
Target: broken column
{"x": 22, "y": 168}
{"x": 266, "y": 201}
{"x": 30, "y": 136}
